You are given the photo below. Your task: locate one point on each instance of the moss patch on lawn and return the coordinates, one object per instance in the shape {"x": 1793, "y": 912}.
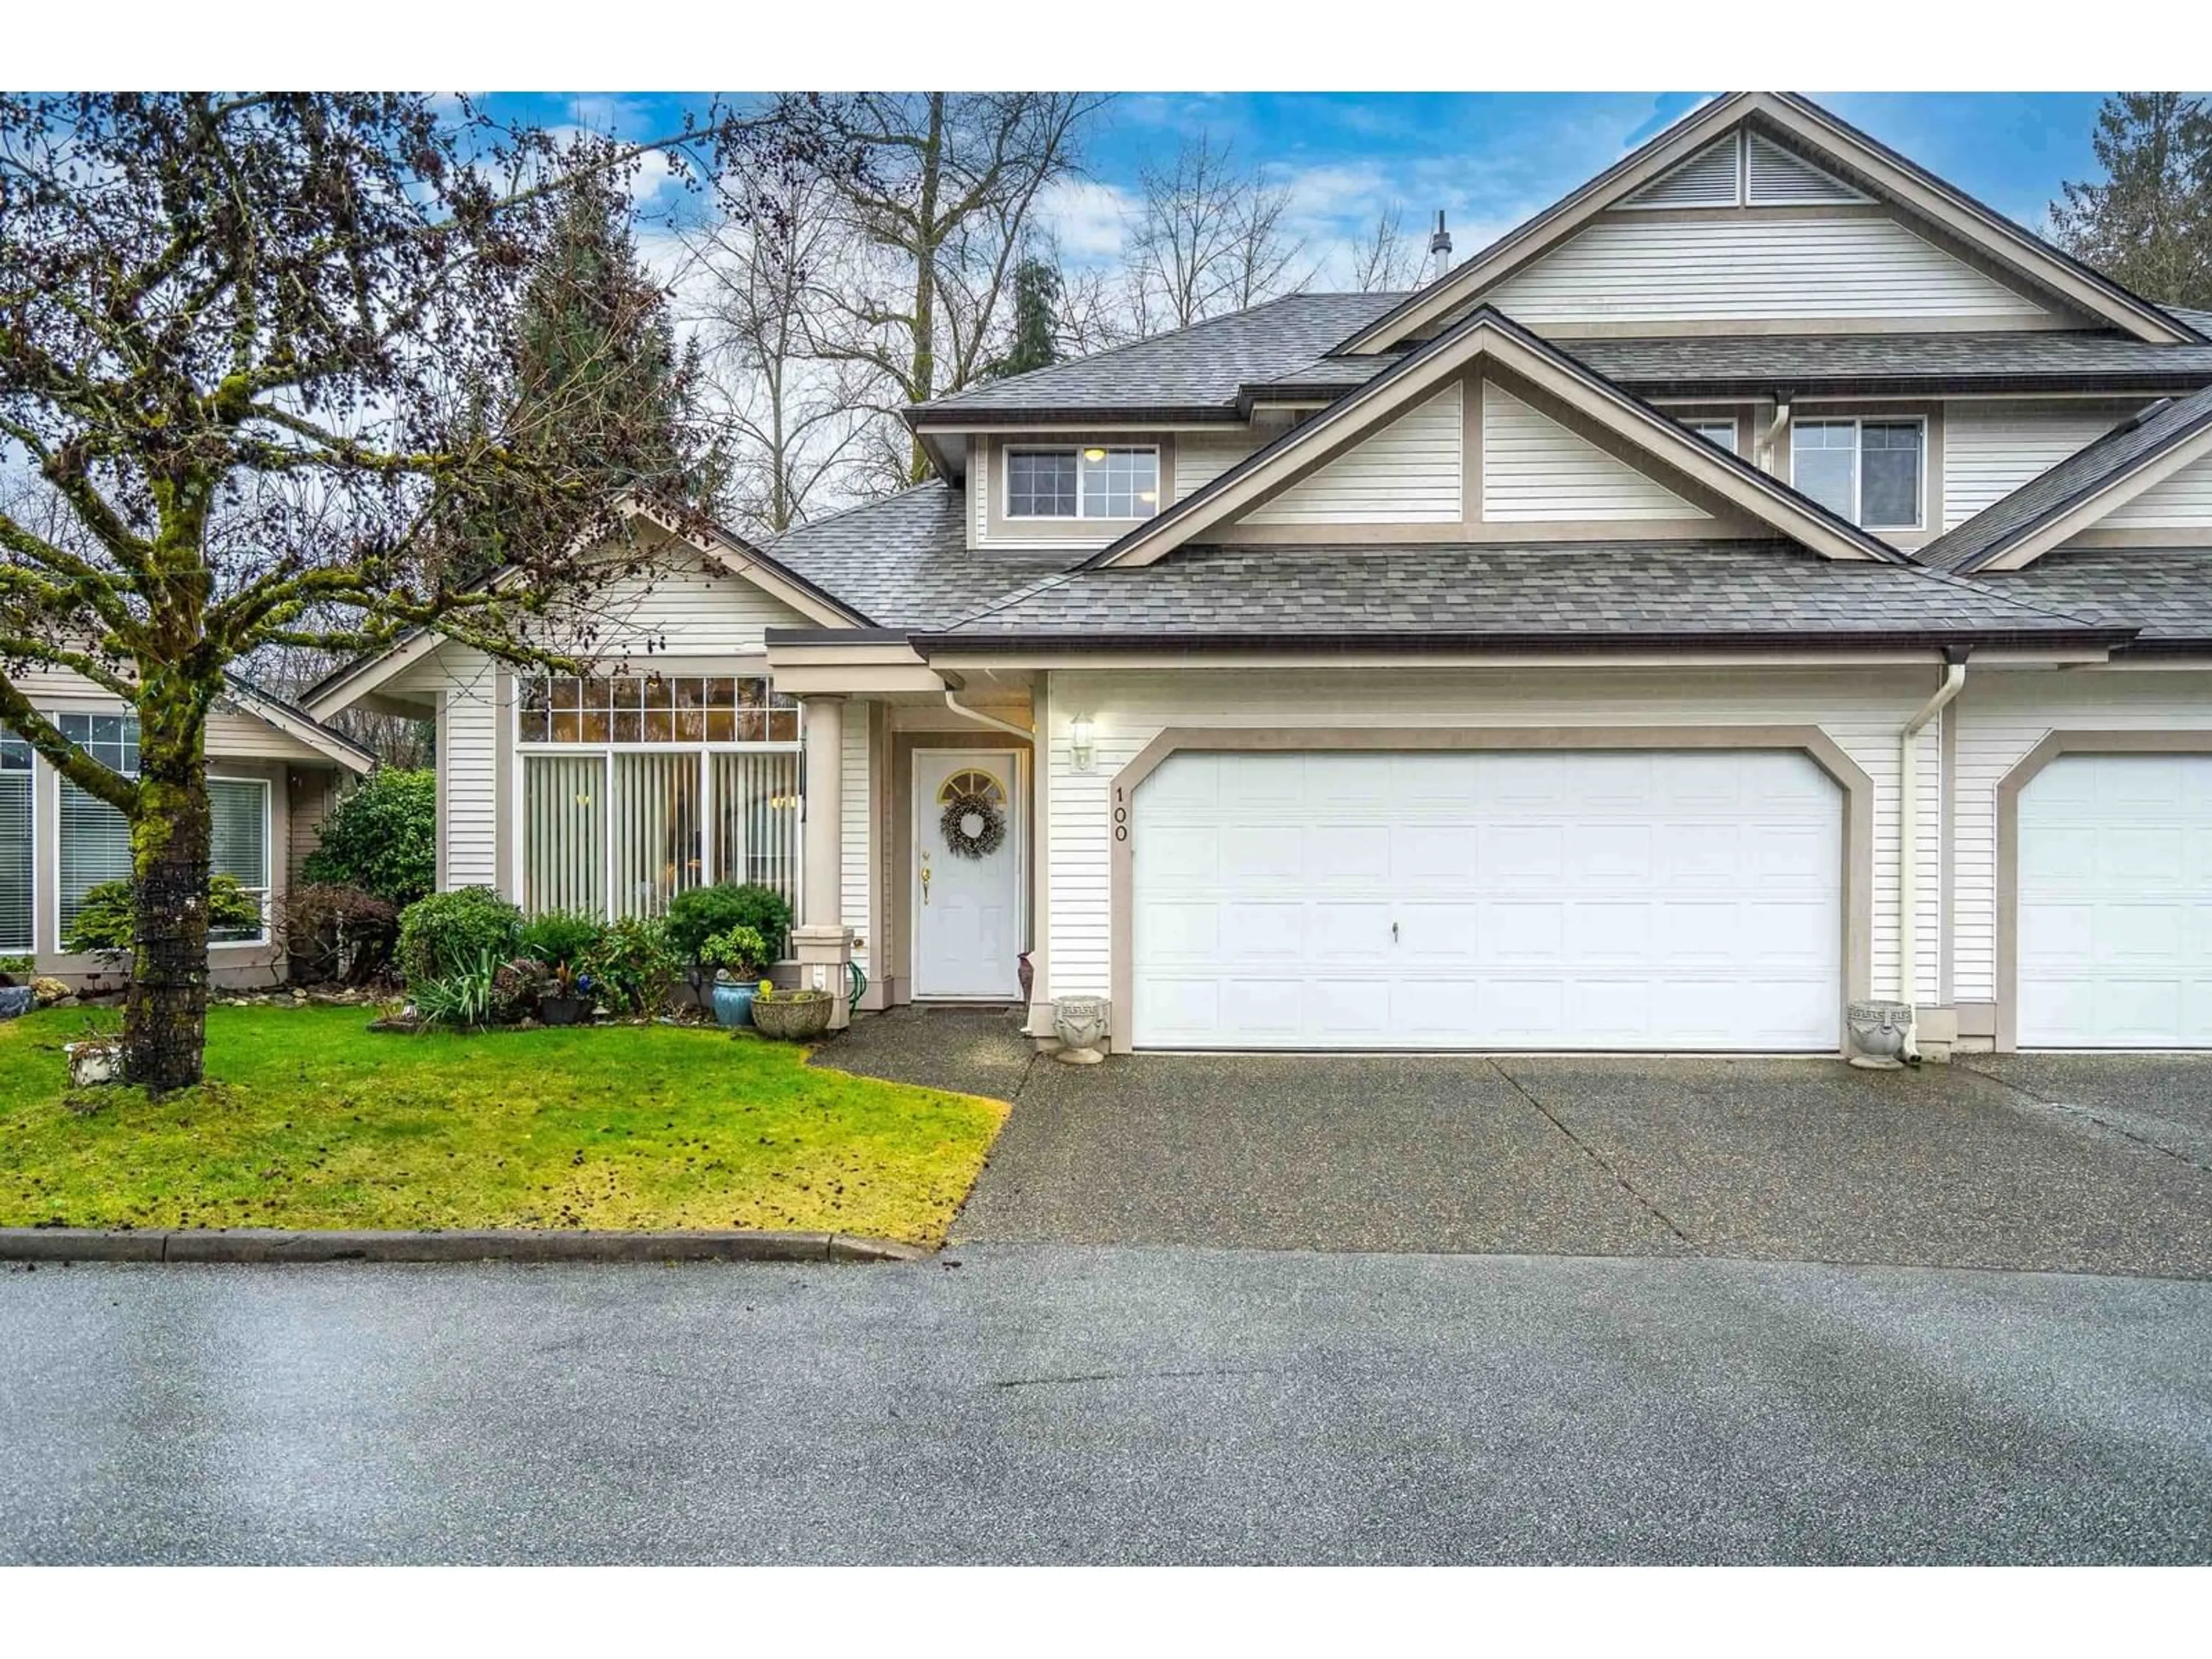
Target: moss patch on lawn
{"x": 308, "y": 1119}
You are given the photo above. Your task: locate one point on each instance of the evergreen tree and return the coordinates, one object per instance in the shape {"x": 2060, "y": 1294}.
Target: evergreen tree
{"x": 2149, "y": 225}
{"x": 1036, "y": 319}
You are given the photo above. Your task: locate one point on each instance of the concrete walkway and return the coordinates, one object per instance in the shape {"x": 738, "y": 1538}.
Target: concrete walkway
{"x": 2068, "y": 1164}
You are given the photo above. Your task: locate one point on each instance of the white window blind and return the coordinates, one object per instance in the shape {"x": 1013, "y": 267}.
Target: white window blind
{"x": 756, "y": 821}
{"x": 95, "y": 847}
{"x": 657, "y": 825}
{"x": 237, "y": 811}
{"x": 18, "y": 865}
{"x": 564, "y": 807}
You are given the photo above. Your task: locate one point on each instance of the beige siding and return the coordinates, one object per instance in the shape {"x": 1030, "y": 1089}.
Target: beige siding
{"x": 1863, "y": 712}
{"x": 1408, "y": 472}
{"x": 2180, "y": 502}
{"x": 692, "y": 609}
{"x": 312, "y": 791}
{"x": 1201, "y": 457}
{"x": 855, "y": 867}
{"x": 1634, "y": 268}
{"x": 2001, "y": 717}
{"x": 1535, "y": 469}
{"x": 470, "y": 735}
{"x": 1992, "y": 449}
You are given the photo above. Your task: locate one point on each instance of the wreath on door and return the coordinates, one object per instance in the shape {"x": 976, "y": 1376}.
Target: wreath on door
{"x": 974, "y": 822}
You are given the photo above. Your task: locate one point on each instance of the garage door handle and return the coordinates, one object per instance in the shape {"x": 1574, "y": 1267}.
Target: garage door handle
{"x": 1394, "y": 933}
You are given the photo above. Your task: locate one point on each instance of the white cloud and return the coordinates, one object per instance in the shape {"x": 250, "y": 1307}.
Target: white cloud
{"x": 1089, "y": 218}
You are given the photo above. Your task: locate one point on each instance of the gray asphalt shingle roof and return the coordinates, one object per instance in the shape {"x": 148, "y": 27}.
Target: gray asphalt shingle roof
{"x": 2165, "y": 592}
{"x": 1988, "y": 532}
{"x": 1653, "y": 593}
{"x": 1283, "y": 346}
{"x": 904, "y": 561}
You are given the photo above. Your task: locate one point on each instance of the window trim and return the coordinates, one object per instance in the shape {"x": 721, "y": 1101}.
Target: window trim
{"x": 1693, "y": 423}
{"x": 1007, "y": 515}
{"x": 1858, "y": 423}
{"x": 268, "y": 888}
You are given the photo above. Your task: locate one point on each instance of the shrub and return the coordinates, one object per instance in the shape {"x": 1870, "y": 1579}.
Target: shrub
{"x": 741, "y": 952}
{"x": 634, "y": 969}
{"x": 698, "y": 915}
{"x": 338, "y": 933}
{"x": 461, "y": 998}
{"x": 382, "y": 837}
{"x": 103, "y": 923}
{"x": 563, "y": 939}
{"x": 516, "y": 988}
{"x": 448, "y": 933}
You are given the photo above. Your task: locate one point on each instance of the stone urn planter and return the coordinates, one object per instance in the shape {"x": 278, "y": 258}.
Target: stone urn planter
{"x": 733, "y": 1001}
{"x": 1079, "y": 1023}
{"x": 793, "y": 1016}
{"x": 1878, "y": 1032}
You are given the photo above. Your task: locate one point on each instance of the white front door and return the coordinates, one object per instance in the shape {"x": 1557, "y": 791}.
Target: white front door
{"x": 967, "y": 873}
{"x": 2115, "y": 896}
{"x": 1641, "y": 899}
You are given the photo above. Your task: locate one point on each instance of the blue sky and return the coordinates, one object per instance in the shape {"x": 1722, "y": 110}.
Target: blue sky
{"x": 1488, "y": 159}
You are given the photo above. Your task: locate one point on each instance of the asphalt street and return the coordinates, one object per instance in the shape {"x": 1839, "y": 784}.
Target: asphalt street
{"x": 1061, "y": 1403}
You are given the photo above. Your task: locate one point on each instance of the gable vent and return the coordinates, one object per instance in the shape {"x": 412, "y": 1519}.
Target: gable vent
{"x": 1709, "y": 179}
{"x": 1779, "y": 179}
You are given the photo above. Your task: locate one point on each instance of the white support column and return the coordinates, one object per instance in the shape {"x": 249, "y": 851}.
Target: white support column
{"x": 821, "y": 942}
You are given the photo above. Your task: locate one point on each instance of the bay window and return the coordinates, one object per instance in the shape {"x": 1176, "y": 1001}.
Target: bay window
{"x": 1093, "y": 483}
{"x": 1866, "y": 470}
{"x": 636, "y": 788}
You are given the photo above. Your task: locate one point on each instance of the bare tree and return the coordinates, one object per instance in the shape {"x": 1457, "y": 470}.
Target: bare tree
{"x": 944, "y": 189}
{"x": 792, "y": 415}
{"x": 1385, "y": 259}
{"x": 1209, "y": 238}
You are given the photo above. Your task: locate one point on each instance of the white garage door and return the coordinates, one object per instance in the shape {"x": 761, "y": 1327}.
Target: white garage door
{"x": 1630, "y": 900}
{"x": 2115, "y": 896}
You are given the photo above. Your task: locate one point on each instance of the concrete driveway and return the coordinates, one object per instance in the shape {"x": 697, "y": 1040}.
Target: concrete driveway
{"x": 2092, "y": 1164}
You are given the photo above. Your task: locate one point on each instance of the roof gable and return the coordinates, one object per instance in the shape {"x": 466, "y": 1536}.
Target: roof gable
{"x": 1487, "y": 335}
{"x": 1819, "y": 147}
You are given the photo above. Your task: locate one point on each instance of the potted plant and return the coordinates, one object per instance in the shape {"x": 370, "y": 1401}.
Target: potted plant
{"x": 735, "y": 956}
{"x": 793, "y": 1016}
{"x": 566, "y": 999}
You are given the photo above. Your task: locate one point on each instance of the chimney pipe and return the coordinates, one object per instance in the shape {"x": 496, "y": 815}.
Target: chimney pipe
{"x": 1440, "y": 248}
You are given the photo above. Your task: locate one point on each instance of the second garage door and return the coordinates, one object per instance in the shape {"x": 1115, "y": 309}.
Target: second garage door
{"x": 1634, "y": 900}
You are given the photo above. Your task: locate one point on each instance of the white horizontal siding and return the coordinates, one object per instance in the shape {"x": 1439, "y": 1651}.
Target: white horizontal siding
{"x": 1992, "y": 449}
{"x": 2181, "y": 502}
{"x": 1409, "y": 473}
{"x": 854, "y": 865}
{"x": 1535, "y": 470}
{"x": 468, "y": 736}
{"x": 1864, "y": 713}
{"x": 1630, "y": 267}
{"x": 1201, "y": 457}
{"x": 685, "y": 609}
{"x": 2001, "y": 717}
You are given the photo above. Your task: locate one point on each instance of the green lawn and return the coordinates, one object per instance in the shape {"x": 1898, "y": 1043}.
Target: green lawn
{"x": 311, "y": 1121}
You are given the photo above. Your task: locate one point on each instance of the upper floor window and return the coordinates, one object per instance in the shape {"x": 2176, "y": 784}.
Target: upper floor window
{"x": 1095, "y": 483}
{"x": 1868, "y": 471}
{"x": 1719, "y": 430}
{"x": 655, "y": 708}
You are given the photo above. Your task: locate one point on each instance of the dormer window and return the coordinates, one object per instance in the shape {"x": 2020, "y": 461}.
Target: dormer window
{"x": 1094, "y": 482}
{"x": 1868, "y": 471}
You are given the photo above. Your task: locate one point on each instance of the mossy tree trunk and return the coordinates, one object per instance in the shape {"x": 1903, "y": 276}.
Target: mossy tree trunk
{"x": 165, "y": 1016}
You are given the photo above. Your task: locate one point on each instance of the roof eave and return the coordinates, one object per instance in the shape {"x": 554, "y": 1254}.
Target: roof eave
{"x": 1335, "y": 641}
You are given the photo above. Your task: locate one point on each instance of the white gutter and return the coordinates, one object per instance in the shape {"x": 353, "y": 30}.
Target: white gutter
{"x": 952, "y": 702}
{"x": 1908, "y": 845}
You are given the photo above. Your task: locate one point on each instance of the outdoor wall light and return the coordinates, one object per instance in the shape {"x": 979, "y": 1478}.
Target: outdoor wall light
{"x": 1079, "y": 743}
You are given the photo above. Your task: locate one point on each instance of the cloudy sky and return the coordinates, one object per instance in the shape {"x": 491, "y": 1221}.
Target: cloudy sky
{"x": 1488, "y": 159}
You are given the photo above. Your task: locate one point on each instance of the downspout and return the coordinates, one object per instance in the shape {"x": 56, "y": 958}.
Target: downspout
{"x": 952, "y": 702}
{"x": 1908, "y": 846}
{"x": 1768, "y": 448}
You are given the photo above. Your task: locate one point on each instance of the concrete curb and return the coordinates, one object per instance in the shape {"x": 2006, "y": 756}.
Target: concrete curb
{"x": 481, "y": 1244}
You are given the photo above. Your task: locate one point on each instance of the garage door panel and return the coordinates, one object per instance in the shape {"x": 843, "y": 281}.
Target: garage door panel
{"x": 2113, "y": 942}
{"x": 1523, "y": 853}
{"x": 1540, "y": 899}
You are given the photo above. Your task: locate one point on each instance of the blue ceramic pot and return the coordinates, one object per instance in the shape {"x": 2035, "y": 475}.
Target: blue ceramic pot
{"x": 733, "y": 1004}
